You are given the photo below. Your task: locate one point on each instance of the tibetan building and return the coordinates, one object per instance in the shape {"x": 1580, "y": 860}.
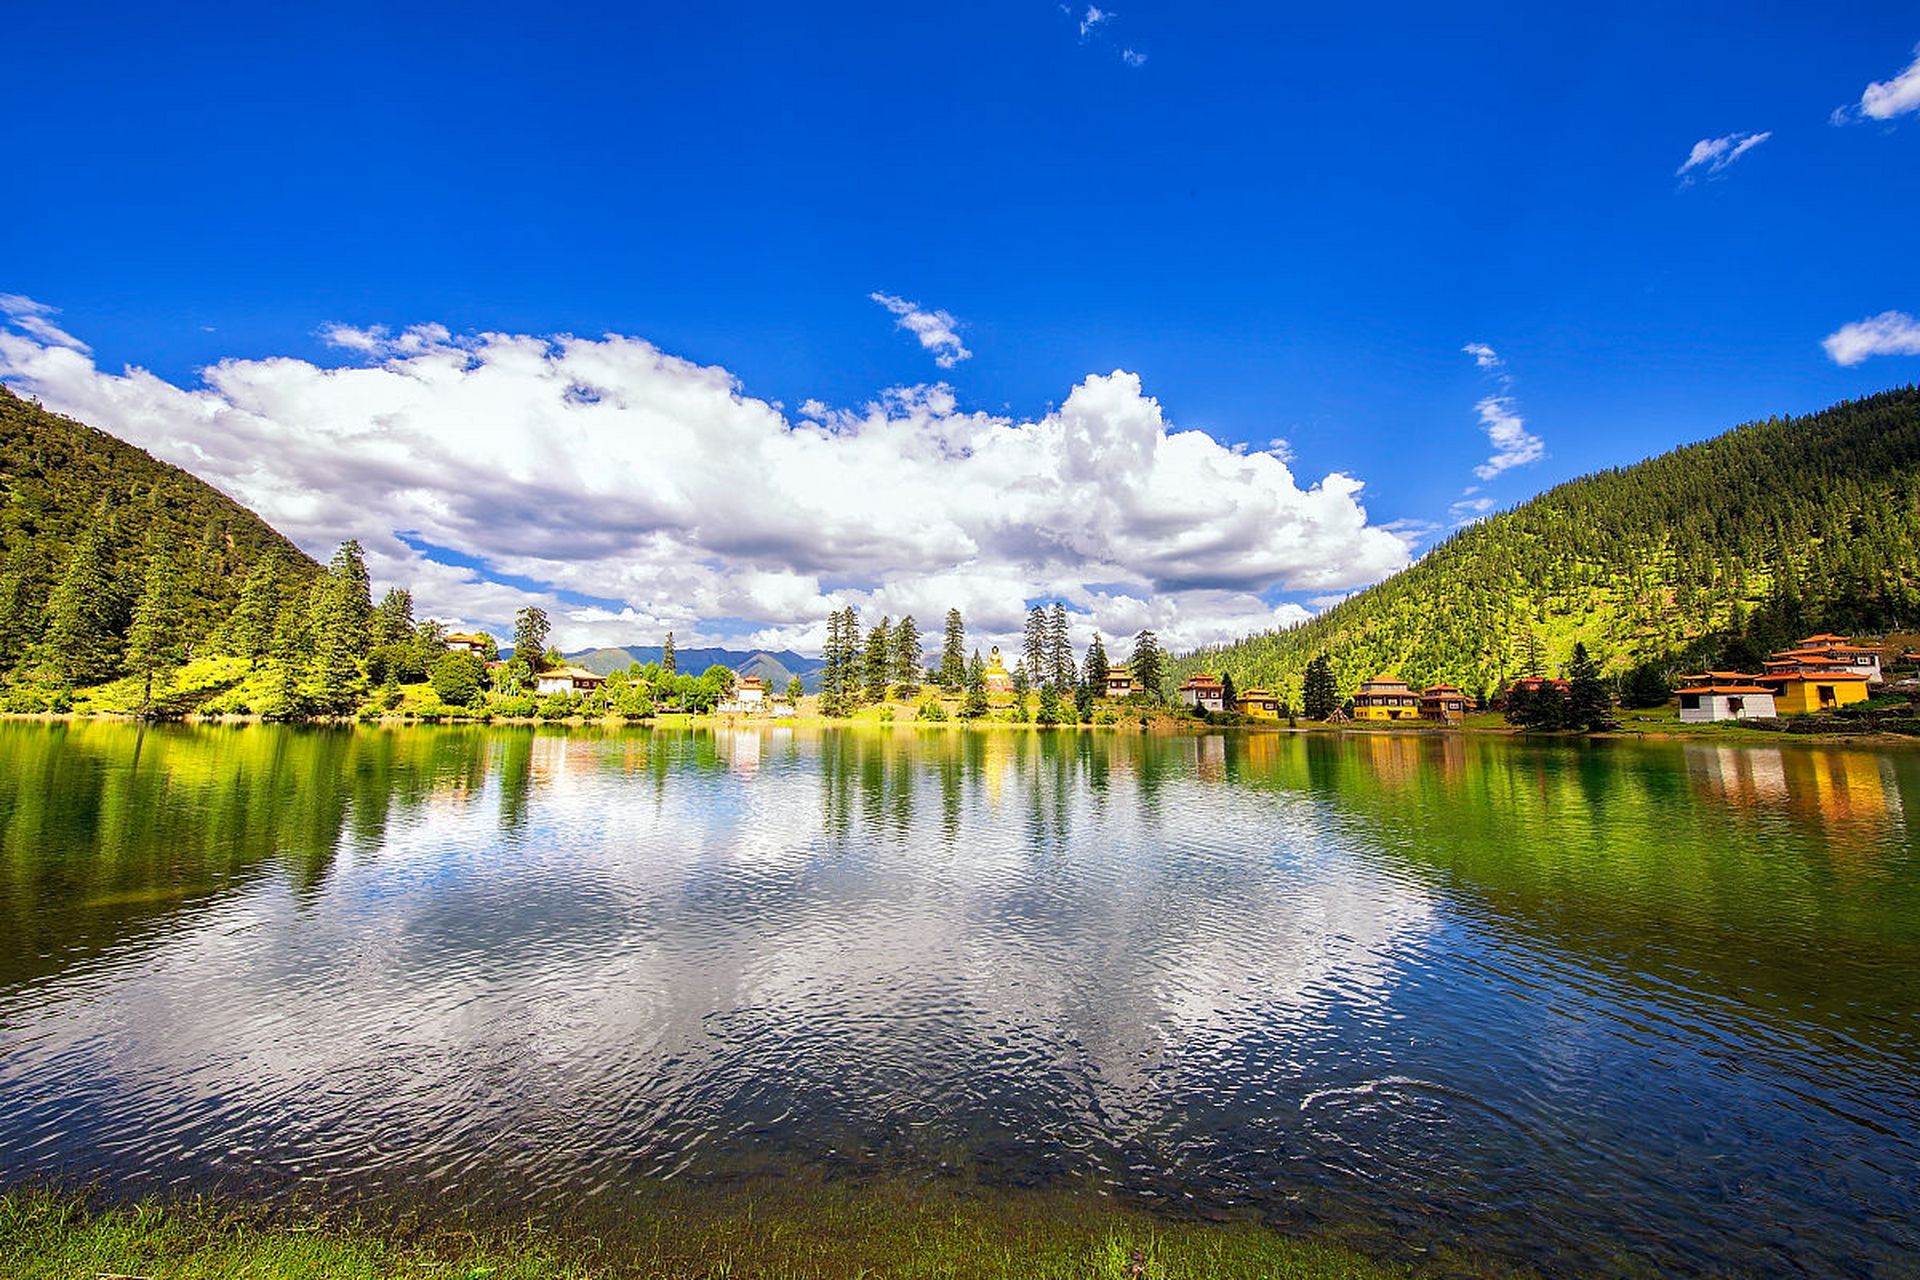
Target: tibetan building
{"x": 1443, "y": 704}
{"x": 1385, "y": 698}
{"x": 1260, "y": 704}
{"x": 1724, "y": 695}
{"x": 1203, "y": 690}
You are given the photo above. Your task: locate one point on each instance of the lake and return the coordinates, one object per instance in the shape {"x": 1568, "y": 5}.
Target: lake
{"x": 1592, "y": 1006}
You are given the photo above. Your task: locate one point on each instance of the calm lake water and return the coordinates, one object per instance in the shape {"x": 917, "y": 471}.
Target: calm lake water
{"x": 1589, "y": 1006}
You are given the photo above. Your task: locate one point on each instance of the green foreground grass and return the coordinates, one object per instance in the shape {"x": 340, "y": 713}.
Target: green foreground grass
{"x": 821, "y": 1232}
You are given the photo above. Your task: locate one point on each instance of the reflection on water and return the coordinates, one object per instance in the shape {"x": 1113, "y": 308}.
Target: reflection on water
{"x": 1588, "y": 1004}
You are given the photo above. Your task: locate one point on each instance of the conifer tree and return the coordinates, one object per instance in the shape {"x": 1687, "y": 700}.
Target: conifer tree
{"x": 1049, "y": 711}
{"x": 795, "y": 690}
{"x": 1148, "y": 664}
{"x": 879, "y": 659}
{"x": 1060, "y": 648}
{"x": 342, "y": 613}
{"x": 907, "y": 672}
{"x": 1097, "y": 666}
{"x": 1229, "y": 696}
{"x": 157, "y": 642}
{"x": 257, "y": 617}
{"x": 393, "y": 620}
{"x": 953, "y": 654}
{"x": 1034, "y": 650}
{"x": 80, "y": 637}
{"x": 669, "y": 661}
{"x": 1318, "y": 696}
{"x": 975, "y": 705}
{"x": 1587, "y": 701}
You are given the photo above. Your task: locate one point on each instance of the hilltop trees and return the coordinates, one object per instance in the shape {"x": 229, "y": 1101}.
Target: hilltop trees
{"x": 83, "y": 614}
{"x": 251, "y": 629}
{"x": 157, "y": 642}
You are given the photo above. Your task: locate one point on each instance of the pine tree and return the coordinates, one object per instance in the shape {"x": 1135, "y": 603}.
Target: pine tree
{"x": 1148, "y": 664}
{"x": 1060, "y": 648}
{"x": 1318, "y": 695}
{"x": 255, "y": 620}
{"x": 1229, "y": 696}
{"x": 393, "y": 620}
{"x": 1048, "y": 712}
{"x": 669, "y": 661}
{"x": 907, "y": 672}
{"x": 879, "y": 664}
{"x": 1547, "y": 708}
{"x": 1645, "y": 686}
{"x": 1034, "y": 651}
{"x": 1097, "y": 667}
{"x": 80, "y": 639}
{"x": 157, "y": 642}
{"x": 1587, "y": 701}
{"x": 342, "y": 614}
{"x": 953, "y": 654}
{"x": 795, "y": 690}
{"x": 975, "y": 705}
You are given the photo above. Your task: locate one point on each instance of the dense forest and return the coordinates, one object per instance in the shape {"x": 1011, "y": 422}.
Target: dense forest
{"x": 1743, "y": 541}
{"x": 85, "y": 519}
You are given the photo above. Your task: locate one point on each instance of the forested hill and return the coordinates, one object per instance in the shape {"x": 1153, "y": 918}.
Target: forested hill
{"x": 81, "y": 514}
{"x": 1762, "y": 534}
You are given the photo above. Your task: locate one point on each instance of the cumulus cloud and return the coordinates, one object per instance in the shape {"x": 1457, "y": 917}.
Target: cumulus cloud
{"x": 1885, "y": 99}
{"x": 1094, "y": 17}
{"x": 1716, "y": 154}
{"x": 36, "y": 320}
{"x": 648, "y": 492}
{"x": 1891, "y": 333}
{"x": 937, "y": 330}
{"x": 1483, "y": 355}
{"x": 1133, "y": 57}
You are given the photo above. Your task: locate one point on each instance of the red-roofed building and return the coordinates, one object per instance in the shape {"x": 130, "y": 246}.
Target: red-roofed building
{"x": 1724, "y": 695}
{"x": 1203, "y": 690}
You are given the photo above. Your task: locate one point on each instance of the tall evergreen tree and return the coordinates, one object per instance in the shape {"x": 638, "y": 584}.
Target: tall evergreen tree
{"x": 953, "y": 654}
{"x": 1097, "y": 667}
{"x": 975, "y": 704}
{"x": 1229, "y": 696}
{"x": 1148, "y": 664}
{"x": 157, "y": 641}
{"x": 1318, "y": 694}
{"x": 1034, "y": 650}
{"x": 393, "y": 619}
{"x": 1059, "y": 648}
{"x": 257, "y": 617}
{"x": 669, "y": 661}
{"x": 907, "y": 658}
{"x": 1587, "y": 702}
{"x": 879, "y": 659}
{"x": 342, "y": 615}
{"x": 81, "y": 637}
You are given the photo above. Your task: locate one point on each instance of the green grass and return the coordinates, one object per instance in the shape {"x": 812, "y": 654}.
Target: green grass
{"x": 783, "y": 1232}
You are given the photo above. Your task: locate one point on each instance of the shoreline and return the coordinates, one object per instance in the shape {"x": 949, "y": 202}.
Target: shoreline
{"x": 1726, "y": 734}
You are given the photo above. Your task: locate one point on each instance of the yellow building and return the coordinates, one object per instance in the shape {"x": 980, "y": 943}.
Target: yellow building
{"x": 1802, "y": 689}
{"x": 1385, "y": 698}
{"x": 1260, "y": 704}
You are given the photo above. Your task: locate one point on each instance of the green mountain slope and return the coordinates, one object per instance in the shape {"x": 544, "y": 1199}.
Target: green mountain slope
{"x": 1769, "y": 530}
{"x": 67, "y": 490}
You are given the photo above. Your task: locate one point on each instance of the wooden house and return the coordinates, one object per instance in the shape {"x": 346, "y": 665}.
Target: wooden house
{"x": 1385, "y": 698}
{"x": 1443, "y": 704}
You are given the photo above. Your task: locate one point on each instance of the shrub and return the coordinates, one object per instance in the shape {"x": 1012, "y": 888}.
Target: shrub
{"x": 557, "y": 706}
{"x": 931, "y": 710}
{"x": 1106, "y": 715}
{"x": 456, "y": 678}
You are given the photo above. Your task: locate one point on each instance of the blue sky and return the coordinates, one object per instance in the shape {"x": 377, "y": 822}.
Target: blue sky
{"x": 1286, "y": 225}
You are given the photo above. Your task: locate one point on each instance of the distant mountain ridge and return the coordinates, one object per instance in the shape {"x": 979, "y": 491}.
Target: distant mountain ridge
{"x": 776, "y": 668}
{"x": 1760, "y": 534}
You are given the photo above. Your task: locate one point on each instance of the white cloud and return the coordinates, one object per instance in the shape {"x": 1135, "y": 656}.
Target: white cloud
{"x": 937, "y": 330}
{"x": 1133, "y": 57}
{"x": 1718, "y": 153}
{"x": 610, "y": 470}
{"x": 1513, "y": 445}
{"x": 1891, "y": 333}
{"x": 36, "y": 320}
{"x": 1883, "y": 100}
{"x": 1095, "y": 16}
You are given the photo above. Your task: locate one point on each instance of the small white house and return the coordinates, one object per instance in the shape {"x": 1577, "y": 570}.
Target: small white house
{"x": 567, "y": 680}
{"x": 1724, "y": 695}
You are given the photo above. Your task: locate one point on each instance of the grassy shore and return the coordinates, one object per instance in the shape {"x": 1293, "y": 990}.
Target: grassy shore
{"x": 817, "y": 1233}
